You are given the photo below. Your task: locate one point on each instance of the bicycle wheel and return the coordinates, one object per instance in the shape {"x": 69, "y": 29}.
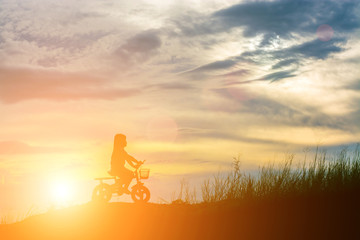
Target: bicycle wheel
{"x": 102, "y": 193}
{"x": 140, "y": 194}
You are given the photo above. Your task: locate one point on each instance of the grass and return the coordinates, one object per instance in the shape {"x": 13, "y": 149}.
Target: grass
{"x": 8, "y": 219}
{"x": 323, "y": 175}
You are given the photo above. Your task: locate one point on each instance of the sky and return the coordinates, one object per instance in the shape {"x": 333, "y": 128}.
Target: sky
{"x": 191, "y": 83}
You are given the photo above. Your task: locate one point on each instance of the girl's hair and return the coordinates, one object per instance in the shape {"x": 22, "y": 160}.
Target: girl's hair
{"x": 118, "y": 140}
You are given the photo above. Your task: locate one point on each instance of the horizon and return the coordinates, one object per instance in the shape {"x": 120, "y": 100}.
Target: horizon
{"x": 192, "y": 84}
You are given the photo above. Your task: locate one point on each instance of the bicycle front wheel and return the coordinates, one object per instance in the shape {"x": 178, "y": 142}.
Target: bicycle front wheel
{"x": 140, "y": 194}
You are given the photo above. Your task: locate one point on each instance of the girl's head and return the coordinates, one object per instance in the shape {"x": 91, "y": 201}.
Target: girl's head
{"x": 120, "y": 141}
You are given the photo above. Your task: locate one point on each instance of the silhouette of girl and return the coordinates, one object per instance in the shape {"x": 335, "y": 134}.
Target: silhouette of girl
{"x": 118, "y": 158}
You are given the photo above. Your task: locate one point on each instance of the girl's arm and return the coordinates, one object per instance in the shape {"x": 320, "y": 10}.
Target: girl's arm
{"x": 131, "y": 160}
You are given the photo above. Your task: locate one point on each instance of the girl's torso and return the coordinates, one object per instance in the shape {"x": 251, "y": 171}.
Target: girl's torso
{"x": 118, "y": 159}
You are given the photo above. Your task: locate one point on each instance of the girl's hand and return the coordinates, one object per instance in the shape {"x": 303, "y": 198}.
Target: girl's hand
{"x": 138, "y": 164}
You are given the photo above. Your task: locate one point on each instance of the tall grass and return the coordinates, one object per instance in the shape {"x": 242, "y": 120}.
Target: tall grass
{"x": 11, "y": 218}
{"x": 323, "y": 174}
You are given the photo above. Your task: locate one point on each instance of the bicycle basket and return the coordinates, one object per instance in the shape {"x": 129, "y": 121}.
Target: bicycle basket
{"x": 144, "y": 173}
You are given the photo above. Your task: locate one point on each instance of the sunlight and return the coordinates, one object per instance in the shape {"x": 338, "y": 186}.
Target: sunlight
{"x": 62, "y": 191}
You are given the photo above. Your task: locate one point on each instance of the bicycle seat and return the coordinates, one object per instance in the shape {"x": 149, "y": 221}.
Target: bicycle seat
{"x": 111, "y": 173}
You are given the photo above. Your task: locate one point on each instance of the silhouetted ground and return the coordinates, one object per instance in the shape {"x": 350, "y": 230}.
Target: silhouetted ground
{"x": 328, "y": 216}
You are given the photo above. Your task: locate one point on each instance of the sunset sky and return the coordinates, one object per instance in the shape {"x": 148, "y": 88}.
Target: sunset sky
{"x": 191, "y": 83}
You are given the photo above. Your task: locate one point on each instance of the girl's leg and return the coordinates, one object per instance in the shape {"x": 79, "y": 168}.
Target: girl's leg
{"x": 127, "y": 179}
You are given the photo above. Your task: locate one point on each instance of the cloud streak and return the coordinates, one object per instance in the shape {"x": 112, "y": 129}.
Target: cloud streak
{"x": 18, "y": 85}
{"x": 16, "y": 147}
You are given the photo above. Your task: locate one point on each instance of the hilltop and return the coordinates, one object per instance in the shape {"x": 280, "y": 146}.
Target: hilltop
{"x": 315, "y": 217}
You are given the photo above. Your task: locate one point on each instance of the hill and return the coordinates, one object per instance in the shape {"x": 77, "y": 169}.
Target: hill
{"x": 331, "y": 216}
{"x": 315, "y": 201}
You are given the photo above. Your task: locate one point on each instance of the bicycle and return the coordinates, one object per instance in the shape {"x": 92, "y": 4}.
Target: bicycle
{"x": 139, "y": 193}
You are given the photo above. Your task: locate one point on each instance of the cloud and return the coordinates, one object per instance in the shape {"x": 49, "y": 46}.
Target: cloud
{"x": 23, "y": 84}
{"x": 273, "y": 19}
{"x": 192, "y": 23}
{"x": 221, "y": 134}
{"x": 16, "y": 147}
{"x": 237, "y": 73}
{"x": 276, "y": 76}
{"x": 75, "y": 42}
{"x": 313, "y": 49}
{"x": 172, "y": 86}
{"x": 287, "y": 31}
{"x": 354, "y": 85}
{"x": 294, "y": 55}
{"x": 53, "y": 26}
{"x": 217, "y": 65}
{"x": 2, "y": 40}
{"x": 354, "y": 119}
{"x": 138, "y": 48}
{"x": 143, "y": 42}
{"x": 286, "y": 17}
{"x": 284, "y": 114}
{"x": 285, "y": 63}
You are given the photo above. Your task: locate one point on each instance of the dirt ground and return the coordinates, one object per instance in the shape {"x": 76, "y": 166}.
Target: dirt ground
{"x": 324, "y": 217}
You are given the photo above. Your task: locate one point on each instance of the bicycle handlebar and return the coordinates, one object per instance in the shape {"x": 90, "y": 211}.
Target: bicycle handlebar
{"x": 140, "y": 163}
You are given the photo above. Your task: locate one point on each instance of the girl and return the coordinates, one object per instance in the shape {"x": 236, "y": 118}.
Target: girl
{"x": 118, "y": 158}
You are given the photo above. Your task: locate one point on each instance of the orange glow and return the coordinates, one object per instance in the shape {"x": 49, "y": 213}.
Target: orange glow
{"x": 62, "y": 191}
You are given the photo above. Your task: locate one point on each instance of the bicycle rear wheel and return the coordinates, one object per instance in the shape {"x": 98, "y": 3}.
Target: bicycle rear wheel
{"x": 102, "y": 193}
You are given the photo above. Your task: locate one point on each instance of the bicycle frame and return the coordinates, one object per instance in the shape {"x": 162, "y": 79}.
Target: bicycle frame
{"x": 139, "y": 192}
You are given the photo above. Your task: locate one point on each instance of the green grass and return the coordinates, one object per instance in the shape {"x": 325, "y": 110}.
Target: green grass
{"x": 322, "y": 175}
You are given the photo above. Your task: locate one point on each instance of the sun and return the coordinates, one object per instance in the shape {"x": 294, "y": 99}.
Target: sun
{"x": 61, "y": 191}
